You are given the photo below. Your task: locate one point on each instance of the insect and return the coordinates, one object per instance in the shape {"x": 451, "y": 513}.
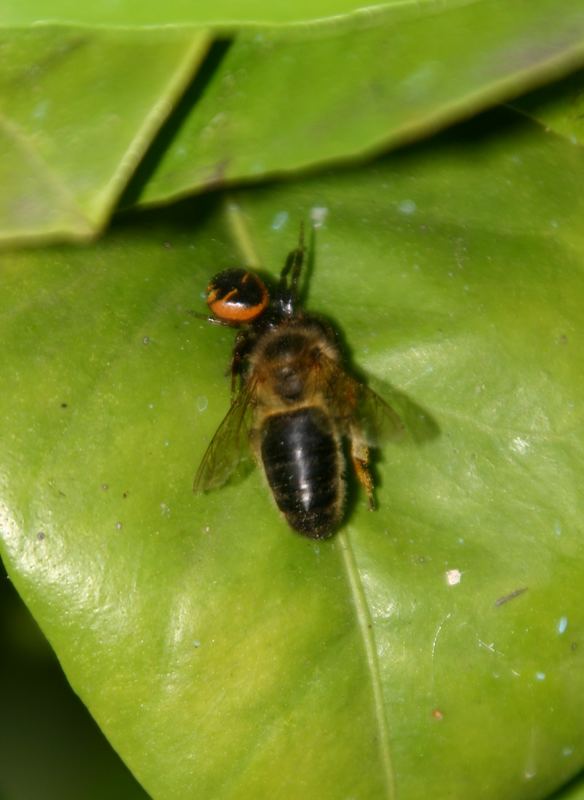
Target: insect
{"x": 292, "y": 402}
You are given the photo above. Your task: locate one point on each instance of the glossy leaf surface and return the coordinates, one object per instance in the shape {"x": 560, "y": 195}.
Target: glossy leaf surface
{"x": 82, "y": 106}
{"x": 223, "y": 655}
{"x": 280, "y": 101}
{"x": 179, "y": 12}
{"x": 76, "y": 118}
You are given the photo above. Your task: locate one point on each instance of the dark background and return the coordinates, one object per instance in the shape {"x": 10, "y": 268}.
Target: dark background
{"x": 50, "y": 747}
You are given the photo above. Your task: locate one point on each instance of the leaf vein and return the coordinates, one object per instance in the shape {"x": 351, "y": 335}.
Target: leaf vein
{"x": 366, "y": 629}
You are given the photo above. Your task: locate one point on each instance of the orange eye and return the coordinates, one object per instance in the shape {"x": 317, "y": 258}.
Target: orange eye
{"x": 237, "y": 296}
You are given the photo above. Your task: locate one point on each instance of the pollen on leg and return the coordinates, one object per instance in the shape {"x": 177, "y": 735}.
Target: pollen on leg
{"x": 360, "y": 459}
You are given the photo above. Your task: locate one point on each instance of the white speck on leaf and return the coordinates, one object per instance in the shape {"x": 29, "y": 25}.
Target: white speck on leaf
{"x": 280, "y": 220}
{"x": 519, "y": 445}
{"x": 318, "y": 215}
{"x": 490, "y": 647}
{"x": 40, "y": 110}
{"x": 407, "y": 207}
{"x": 453, "y": 577}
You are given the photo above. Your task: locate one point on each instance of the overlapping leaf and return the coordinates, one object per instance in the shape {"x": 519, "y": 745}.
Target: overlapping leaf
{"x": 82, "y": 106}
{"x": 226, "y": 13}
{"x": 559, "y": 107}
{"x": 76, "y": 116}
{"x": 283, "y": 101}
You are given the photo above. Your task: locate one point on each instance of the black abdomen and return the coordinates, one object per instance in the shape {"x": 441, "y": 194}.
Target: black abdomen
{"x": 302, "y": 460}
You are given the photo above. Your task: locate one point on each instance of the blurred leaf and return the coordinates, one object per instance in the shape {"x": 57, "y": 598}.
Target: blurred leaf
{"x": 280, "y": 101}
{"x": 179, "y": 12}
{"x": 77, "y": 117}
{"x": 559, "y": 107}
{"x": 433, "y": 647}
{"x": 574, "y": 791}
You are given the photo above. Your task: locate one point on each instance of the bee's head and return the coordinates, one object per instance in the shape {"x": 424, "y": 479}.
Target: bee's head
{"x": 237, "y": 296}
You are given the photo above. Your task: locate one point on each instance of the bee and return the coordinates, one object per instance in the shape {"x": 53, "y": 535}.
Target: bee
{"x": 293, "y": 403}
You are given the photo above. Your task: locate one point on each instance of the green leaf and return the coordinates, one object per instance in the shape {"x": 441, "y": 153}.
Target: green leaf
{"x": 179, "y": 12}
{"x": 574, "y": 791}
{"x": 274, "y": 104}
{"x": 76, "y": 119}
{"x": 559, "y": 107}
{"x": 432, "y": 647}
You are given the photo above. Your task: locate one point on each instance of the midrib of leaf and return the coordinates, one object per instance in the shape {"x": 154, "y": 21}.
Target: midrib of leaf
{"x": 159, "y": 112}
{"x": 240, "y": 234}
{"x": 366, "y": 630}
{"x": 106, "y": 195}
{"x": 24, "y": 145}
{"x": 244, "y": 243}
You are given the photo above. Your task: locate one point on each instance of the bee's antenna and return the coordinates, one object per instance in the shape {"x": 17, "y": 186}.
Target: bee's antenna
{"x": 293, "y": 265}
{"x": 287, "y": 296}
{"x": 298, "y": 260}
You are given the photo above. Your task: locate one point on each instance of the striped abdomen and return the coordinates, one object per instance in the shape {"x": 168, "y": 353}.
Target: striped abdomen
{"x": 303, "y": 463}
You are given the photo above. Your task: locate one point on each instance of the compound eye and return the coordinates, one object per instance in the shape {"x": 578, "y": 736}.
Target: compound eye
{"x": 237, "y": 296}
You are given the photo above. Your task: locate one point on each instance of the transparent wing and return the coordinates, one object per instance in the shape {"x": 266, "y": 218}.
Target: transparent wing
{"x": 228, "y": 446}
{"x": 378, "y": 420}
{"x": 357, "y": 403}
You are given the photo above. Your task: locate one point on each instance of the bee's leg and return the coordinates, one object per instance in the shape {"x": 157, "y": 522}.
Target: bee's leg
{"x": 237, "y": 357}
{"x": 212, "y": 320}
{"x": 360, "y": 459}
